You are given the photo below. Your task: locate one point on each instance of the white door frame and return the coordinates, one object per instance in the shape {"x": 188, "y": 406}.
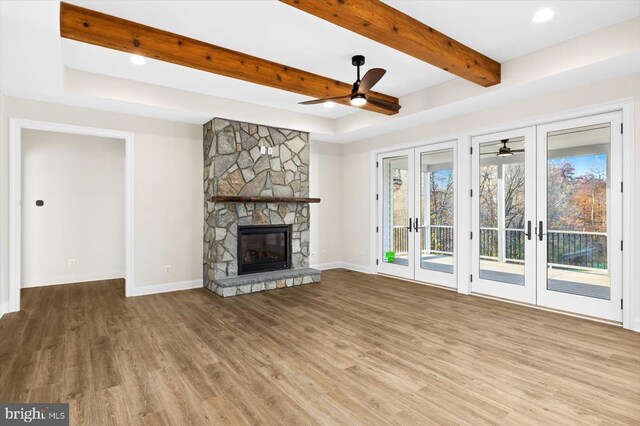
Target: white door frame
{"x": 607, "y": 309}
{"x": 16, "y": 125}
{"x": 424, "y": 275}
{"x": 526, "y": 293}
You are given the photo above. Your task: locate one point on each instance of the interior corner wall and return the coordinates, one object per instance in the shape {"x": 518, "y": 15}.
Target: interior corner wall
{"x": 77, "y": 234}
{"x": 357, "y": 156}
{"x": 168, "y": 217}
{"x": 4, "y": 210}
{"x": 326, "y": 183}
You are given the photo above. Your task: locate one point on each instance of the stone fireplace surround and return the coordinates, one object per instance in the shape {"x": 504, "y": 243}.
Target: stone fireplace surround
{"x": 235, "y": 167}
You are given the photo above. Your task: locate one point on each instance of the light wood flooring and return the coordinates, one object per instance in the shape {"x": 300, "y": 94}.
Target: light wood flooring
{"x": 354, "y": 349}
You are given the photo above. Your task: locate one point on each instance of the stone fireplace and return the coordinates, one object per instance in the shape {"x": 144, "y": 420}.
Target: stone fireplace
{"x": 256, "y": 184}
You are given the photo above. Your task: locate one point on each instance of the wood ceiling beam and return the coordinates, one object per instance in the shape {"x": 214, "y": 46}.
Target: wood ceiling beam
{"x": 380, "y": 22}
{"x": 89, "y": 26}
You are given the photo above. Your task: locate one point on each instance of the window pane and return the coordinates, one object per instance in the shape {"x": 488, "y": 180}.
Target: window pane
{"x": 436, "y": 211}
{"x": 502, "y": 204}
{"x": 577, "y": 211}
{"x": 395, "y": 210}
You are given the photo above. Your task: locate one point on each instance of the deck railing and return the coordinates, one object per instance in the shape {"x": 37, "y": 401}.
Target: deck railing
{"x": 441, "y": 239}
{"x": 565, "y": 248}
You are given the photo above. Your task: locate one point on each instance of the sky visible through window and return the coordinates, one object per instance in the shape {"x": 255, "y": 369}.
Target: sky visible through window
{"x": 583, "y": 165}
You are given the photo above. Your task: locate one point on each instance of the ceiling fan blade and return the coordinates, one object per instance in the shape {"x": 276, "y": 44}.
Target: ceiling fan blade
{"x": 323, "y": 100}
{"x": 517, "y": 150}
{"x": 384, "y": 104}
{"x": 370, "y": 79}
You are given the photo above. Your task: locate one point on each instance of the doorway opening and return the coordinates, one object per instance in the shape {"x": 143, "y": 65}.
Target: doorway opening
{"x": 17, "y": 126}
{"x": 72, "y": 208}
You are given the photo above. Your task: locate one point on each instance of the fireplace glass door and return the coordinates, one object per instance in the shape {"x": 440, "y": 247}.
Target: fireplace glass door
{"x": 263, "y": 248}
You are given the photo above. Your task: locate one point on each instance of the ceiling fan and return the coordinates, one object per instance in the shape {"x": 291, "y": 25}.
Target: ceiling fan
{"x": 359, "y": 96}
{"x": 504, "y": 150}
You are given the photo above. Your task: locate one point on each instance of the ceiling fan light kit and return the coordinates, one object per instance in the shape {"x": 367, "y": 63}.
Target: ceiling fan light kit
{"x": 504, "y": 150}
{"x": 358, "y": 100}
{"x": 361, "y": 87}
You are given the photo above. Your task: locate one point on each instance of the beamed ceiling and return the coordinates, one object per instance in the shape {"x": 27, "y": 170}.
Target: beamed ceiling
{"x": 370, "y": 18}
{"x": 313, "y": 44}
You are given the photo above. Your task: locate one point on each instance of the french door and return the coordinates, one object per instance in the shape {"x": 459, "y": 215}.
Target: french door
{"x": 395, "y": 213}
{"x": 579, "y": 213}
{"x": 503, "y": 215}
{"x": 416, "y": 214}
{"x": 547, "y": 215}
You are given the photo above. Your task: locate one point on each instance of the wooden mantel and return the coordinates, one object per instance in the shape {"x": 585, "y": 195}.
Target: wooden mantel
{"x": 260, "y": 199}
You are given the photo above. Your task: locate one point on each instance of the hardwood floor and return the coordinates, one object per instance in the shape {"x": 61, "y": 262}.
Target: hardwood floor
{"x": 354, "y": 349}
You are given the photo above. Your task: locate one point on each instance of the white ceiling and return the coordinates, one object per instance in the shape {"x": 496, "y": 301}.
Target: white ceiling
{"x": 587, "y": 42}
{"x": 272, "y": 30}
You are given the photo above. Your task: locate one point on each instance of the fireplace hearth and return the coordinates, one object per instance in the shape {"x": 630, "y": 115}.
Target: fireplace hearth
{"x": 263, "y": 248}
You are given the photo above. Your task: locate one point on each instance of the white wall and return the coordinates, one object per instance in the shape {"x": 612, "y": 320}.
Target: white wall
{"x": 357, "y": 161}
{"x": 168, "y": 209}
{"x": 81, "y": 181}
{"x": 4, "y": 214}
{"x": 325, "y": 182}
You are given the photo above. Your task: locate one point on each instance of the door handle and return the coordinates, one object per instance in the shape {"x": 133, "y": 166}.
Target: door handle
{"x": 540, "y": 233}
{"x": 410, "y": 224}
{"x": 415, "y": 225}
{"x": 528, "y": 233}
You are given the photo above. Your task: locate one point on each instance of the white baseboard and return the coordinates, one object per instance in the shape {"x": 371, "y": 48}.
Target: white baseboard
{"x": 4, "y": 308}
{"x": 637, "y": 325}
{"x": 71, "y": 279}
{"x": 165, "y": 288}
{"x": 355, "y": 267}
{"x": 326, "y": 266}
{"x": 345, "y": 265}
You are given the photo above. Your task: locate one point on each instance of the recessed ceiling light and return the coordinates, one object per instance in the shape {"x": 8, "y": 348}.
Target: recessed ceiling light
{"x": 329, "y": 104}
{"x": 137, "y": 60}
{"x": 543, "y": 15}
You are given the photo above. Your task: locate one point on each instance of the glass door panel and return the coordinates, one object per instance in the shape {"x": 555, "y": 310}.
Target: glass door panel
{"x": 435, "y": 198}
{"x": 501, "y": 204}
{"x": 578, "y": 200}
{"x": 503, "y": 214}
{"x": 395, "y": 200}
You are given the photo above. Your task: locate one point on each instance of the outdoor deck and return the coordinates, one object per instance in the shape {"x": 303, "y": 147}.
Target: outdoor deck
{"x": 589, "y": 283}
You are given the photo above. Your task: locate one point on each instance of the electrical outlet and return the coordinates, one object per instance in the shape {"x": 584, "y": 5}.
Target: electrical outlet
{"x": 72, "y": 263}
{"x": 167, "y": 269}
{"x": 270, "y": 151}
{"x": 263, "y": 150}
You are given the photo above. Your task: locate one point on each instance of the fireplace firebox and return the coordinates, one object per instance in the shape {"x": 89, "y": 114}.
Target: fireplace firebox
{"x": 263, "y": 248}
